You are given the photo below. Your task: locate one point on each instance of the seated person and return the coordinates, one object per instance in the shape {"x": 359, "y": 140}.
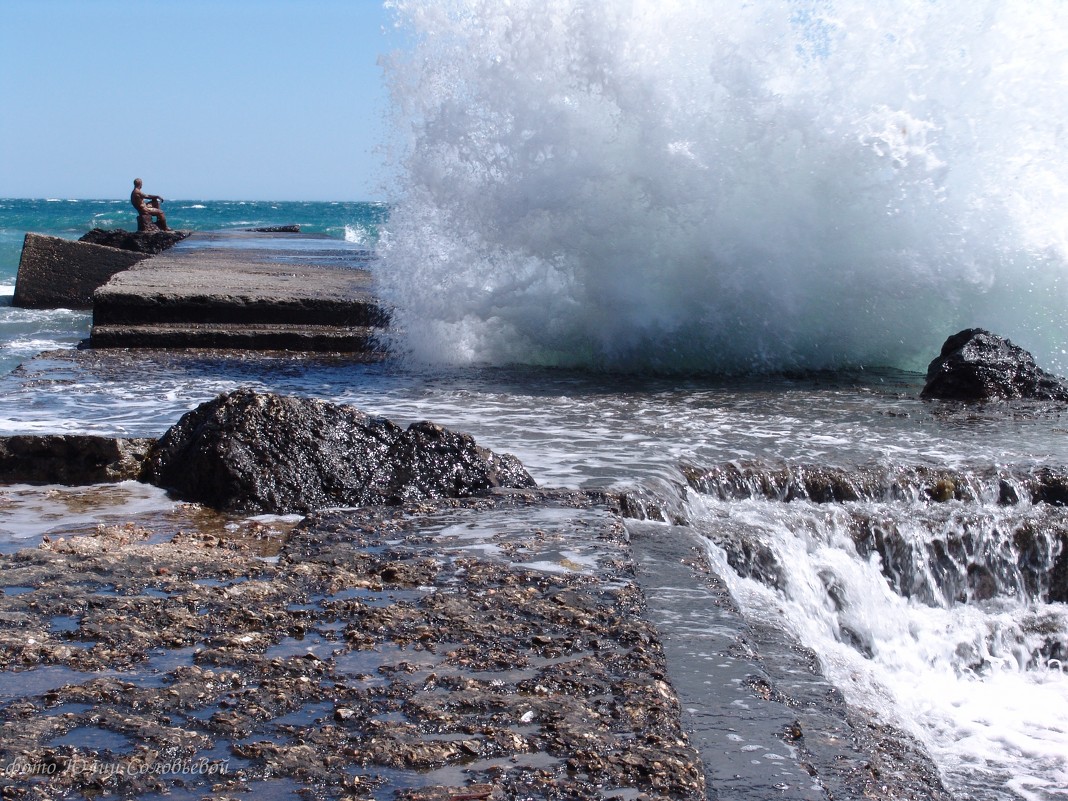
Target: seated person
{"x": 147, "y": 207}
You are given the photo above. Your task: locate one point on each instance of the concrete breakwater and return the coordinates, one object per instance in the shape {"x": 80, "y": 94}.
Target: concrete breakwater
{"x": 256, "y": 290}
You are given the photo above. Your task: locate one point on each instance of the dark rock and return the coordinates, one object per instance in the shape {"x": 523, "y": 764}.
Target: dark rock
{"x": 147, "y": 242}
{"x": 1008, "y": 495}
{"x": 1049, "y": 485}
{"x": 249, "y": 452}
{"x": 967, "y": 563}
{"x": 751, "y": 557}
{"x": 1042, "y": 556}
{"x": 74, "y": 459}
{"x": 429, "y": 461}
{"x": 1058, "y": 575}
{"x": 655, "y": 500}
{"x": 60, "y": 273}
{"x": 975, "y": 365}
{"x": 803, "y": 482}
{"x": 276, "y": 229}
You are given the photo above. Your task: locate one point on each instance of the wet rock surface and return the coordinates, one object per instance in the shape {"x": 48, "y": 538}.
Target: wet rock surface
{"x": 475, "y": 648}
{"x": 976, "y": 365}
{"x": 147, "y": 242}
{"x": 70, "y": 458}
{"x": 1007, "y": 485}
{"x": 252, "y": 452}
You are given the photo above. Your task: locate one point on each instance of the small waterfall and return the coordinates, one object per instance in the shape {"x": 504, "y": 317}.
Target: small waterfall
{"x": 936, "y": 598}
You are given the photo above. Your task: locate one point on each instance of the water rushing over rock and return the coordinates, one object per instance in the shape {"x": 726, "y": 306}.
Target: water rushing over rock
{"x": 880, "y": 482}
{"x": 899, "y": 576}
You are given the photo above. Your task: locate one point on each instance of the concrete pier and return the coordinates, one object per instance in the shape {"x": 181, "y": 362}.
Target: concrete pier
{"x": 241, "y": 289}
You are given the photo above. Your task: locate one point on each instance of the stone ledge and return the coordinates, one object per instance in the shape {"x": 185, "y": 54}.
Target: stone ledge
{"x": 308, "y": 338}
{"x": 73, "y": 459}
{"x": 245, "y": 291}
{"x": 59, "y": 273}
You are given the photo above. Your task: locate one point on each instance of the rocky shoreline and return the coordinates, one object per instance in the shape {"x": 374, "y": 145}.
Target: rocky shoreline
{"x": 495, "y": 647}
{"x": 452, "y": 633}
{"x": 374, "y": 654}
{"x": 467, "y": 635}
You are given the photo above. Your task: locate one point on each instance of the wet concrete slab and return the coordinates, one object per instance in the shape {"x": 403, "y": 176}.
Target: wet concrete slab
{"x": 246, "y": 290}
{"x": 485, "y": 648}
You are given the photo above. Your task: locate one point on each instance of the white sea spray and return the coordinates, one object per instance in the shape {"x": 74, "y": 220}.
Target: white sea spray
{"x": 702, "y": 183}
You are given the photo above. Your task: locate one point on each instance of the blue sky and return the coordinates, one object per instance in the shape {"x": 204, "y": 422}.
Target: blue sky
{"x": 203, "y": 99}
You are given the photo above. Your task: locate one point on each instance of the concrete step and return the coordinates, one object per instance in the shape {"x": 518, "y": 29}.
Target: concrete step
{"x": 116, "y": 307}
{"x": 317, "y": 338}
{"x": 244, "y": 290}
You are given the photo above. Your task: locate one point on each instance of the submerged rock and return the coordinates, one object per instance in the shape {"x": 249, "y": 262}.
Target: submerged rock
{"x": 827, "y": 484}
{"x": 276, "y": 229}
{"x": 975, "y": 365}
{"x": 250, "y": 452}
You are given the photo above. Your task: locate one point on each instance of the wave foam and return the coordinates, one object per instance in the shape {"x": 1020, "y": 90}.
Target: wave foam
{"x": 710, "y": 185}
{"x": 356, "y": 234}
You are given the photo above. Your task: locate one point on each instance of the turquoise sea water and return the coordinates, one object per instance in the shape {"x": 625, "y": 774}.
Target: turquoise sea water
{"x": 355, "y": 222}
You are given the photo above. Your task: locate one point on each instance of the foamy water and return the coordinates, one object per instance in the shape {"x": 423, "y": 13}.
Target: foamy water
{"x": 704, "y": 184}
{"x": 973, "y": 681}
{"x": 700, "y": 183}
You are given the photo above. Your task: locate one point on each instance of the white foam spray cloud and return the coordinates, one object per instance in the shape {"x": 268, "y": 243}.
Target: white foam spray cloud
{"x": 697, "y": 184}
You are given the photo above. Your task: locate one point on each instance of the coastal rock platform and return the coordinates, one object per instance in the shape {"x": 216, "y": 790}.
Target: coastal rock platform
{"x": 244, "y": 289}
{"x": 438, "y": 651}
{"x": 500, "y": 647}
